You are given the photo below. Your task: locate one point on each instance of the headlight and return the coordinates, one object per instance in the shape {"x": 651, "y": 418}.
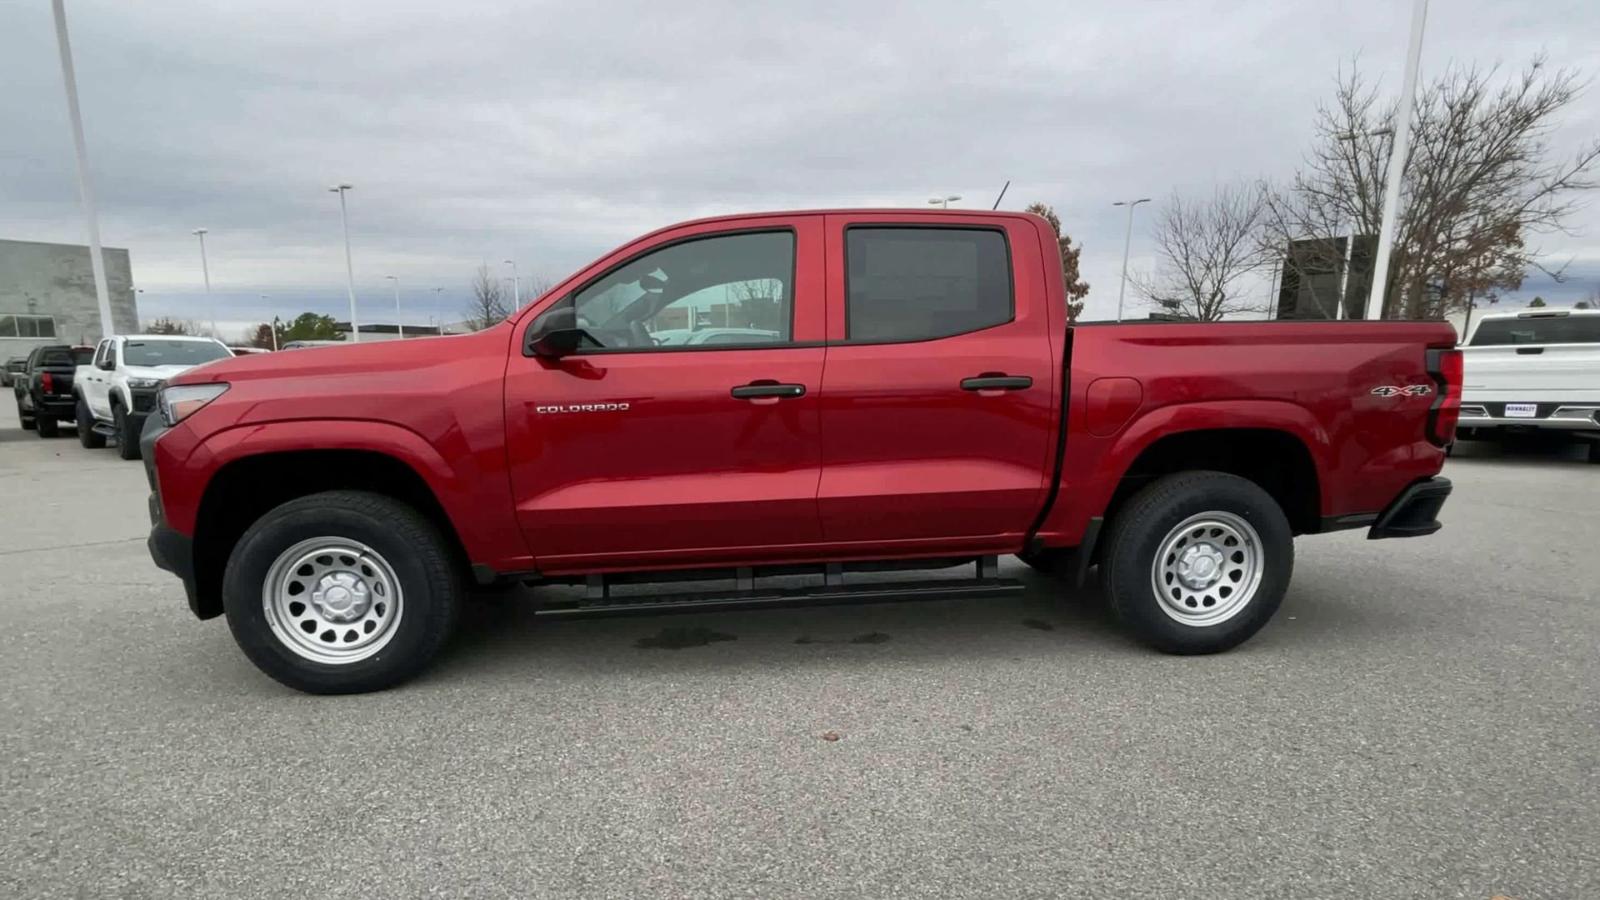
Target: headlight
{"x": 182, "y": 401}
{"x": 142, "y": 383}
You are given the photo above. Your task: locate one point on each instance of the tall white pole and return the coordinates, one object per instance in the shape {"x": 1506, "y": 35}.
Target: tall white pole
{"x": 516, "y": 286}
{"x": 400, "y": 329}
{"x": 1397, "y": 162}
{"x": 97, "y": 262}
{"x": 205, "y": 272}
{"x": 349, "y": 269}
{"x": 1127, "y": 242}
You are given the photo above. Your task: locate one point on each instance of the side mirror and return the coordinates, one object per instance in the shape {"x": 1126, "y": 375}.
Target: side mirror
{"x": 556, "y": 334}
{"x": 107, "y": 365}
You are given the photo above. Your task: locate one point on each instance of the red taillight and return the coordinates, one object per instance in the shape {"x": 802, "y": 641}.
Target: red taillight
{"x": 47, "y": 384}
{"x": 1445, "y": 368}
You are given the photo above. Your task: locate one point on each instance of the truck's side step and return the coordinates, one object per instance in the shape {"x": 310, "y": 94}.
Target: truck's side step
{"x": 103, "y": 429}
{"x": 597, "y": 599}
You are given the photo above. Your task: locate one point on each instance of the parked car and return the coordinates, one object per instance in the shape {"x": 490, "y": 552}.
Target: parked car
{"x": 116, "y": 391}
{"x": 43, "y": 388}
{"x": 246, "y": 351}
{"x": 304, "y": 345}
{"x": 713, "y": 336}
{"x": 927, "y": 405}
{"x": 12, "y": 367}
{"x": 1535, "y": 371}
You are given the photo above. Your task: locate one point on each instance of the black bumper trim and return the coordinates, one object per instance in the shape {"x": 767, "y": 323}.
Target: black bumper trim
{"x": 1414, "y": 513}
{"x": 174, "y": 552}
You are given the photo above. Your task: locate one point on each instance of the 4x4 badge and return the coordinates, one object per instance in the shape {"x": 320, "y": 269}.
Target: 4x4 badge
{"x": 1415, "y": 390}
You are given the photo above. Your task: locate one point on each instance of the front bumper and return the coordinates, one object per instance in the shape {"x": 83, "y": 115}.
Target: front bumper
{"x": 1414, "y": 513}
{"x": 171, "y": 550}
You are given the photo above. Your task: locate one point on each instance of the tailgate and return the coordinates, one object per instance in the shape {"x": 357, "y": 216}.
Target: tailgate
{"x": 1550, "y": 370}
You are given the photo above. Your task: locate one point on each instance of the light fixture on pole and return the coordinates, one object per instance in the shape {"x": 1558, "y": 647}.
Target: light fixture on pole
{"x": 1127, "y": 243}
{"x": 97, "y": 262}
{"x": 400, "y": 329}
{"x": 516, "y": 286}
{"x": 943, "y": 202}
{"x": 349, "y": 270}
{"x": 1397, "y": 162}
{"x": 205, "y": 273}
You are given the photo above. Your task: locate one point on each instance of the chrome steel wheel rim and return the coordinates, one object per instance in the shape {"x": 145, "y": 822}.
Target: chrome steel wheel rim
{"x": 332, "y": 600}
{"x": 1207, "y": 569}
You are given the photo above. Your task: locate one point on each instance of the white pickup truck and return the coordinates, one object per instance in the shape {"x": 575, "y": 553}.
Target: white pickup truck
{"x": 1533, "y": 371}
{"x": 116, "y": 391}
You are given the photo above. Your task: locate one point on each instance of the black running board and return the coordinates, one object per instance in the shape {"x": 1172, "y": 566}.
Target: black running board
{"x": 598, "y": 600}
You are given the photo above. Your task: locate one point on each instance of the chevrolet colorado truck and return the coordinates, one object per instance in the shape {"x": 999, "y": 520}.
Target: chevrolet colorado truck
{"x": 908, "y": 396}
{"x": 44, "y": 387}
{"x": 116, "y": 390}
{"x": 1535, "y": 371}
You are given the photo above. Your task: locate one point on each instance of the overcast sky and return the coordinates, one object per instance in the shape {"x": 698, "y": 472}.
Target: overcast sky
{"x": 549, "y": 133}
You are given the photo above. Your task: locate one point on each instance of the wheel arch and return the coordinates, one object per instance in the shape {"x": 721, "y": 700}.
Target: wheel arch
{"x": 247, "y": 486}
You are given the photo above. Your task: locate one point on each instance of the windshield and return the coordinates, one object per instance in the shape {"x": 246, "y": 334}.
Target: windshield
{"x": 1538, "y": 330}
{"x": 171, "y": 353}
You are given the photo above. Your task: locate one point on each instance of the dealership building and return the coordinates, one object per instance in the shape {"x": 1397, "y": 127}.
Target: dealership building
{"x": 47, "y": 295}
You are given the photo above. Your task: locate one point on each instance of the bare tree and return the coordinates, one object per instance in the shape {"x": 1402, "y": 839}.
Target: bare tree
{"x": 1480, "y": 182}
{"x": 169, "y": 325}
{"x": 1077, "y": 288}
{"x": 487, "y": 306}
{"x": 1206, "y": 251}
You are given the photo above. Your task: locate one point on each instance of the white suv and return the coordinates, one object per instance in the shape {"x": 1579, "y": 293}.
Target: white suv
{"x": 1533, "y": 371}
{"x": 117, "y": 390}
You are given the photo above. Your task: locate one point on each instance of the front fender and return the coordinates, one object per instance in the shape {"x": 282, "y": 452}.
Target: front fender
{"x": 477, "y": 503}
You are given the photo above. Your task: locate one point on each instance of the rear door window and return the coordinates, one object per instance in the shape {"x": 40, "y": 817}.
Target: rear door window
{"x": 917, "y": 284}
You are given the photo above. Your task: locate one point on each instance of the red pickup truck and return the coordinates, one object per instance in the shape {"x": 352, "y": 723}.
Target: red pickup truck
{"x": 759, "y": 396}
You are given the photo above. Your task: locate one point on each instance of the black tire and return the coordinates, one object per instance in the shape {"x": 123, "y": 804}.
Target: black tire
{"x": 1594, "y": 451}
{"x": 1147, "y": 520}
{"x": 127, "y": 432}
{"x": 87, "y": 436}
{"x": 49, "y": 426}
{"x": 429, "y": 583}
{"x": 26, "y": 421}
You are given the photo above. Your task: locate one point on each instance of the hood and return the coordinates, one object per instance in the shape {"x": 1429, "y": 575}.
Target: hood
{"x": 161, "y": 372}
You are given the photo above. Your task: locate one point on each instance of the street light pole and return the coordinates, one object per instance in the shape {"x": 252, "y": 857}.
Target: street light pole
{"x": 400, "y": 329}
{"x": 1127, "y": 244}
{"x": 944, "y": 202}
{"x": 1397, "y": 162}
{"x": 97, "y": 263}
{"x": 272, "y": 327}
{"x": 349, "y": 270}
{"x": 516, "y": 287}
{"x": 205, "y": 273}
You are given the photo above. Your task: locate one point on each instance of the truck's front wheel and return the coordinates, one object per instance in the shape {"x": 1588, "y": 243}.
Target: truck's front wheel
{"x": 1198, "y": 562}
{"x": 341, "y": 592}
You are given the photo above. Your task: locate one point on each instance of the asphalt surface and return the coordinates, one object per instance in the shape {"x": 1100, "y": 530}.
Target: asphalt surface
{"x": 1422, "y": 719}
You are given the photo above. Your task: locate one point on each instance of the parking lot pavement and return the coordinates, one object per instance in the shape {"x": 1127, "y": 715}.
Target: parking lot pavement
{"x": 1421, "y": 719}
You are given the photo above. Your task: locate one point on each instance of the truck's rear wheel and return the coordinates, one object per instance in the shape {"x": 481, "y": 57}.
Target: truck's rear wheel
{"x": 1198, "y": 562}
{"x": 87, "y": 436}
{"x": 48, "y": 426}
{"x": 341, "y": 592}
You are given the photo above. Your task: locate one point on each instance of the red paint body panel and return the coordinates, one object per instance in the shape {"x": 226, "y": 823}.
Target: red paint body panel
{"x": 883, "y": 456}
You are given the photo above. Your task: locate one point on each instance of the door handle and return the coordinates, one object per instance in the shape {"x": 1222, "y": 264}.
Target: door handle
{"x": 767, "y": 390}
{"x": 993, "y": 382}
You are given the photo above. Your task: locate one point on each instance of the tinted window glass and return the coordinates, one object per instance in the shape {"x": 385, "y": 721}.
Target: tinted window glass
{"x": 909, "y": 284}
{"x": 64, "y": 356}
{"x": 736, "y": 284}
{"x": 171, "y": 353}
{"x": 1551, "y": 330}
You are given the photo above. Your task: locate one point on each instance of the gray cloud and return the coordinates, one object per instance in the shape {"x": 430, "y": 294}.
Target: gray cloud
{"x": 551, "y": 133}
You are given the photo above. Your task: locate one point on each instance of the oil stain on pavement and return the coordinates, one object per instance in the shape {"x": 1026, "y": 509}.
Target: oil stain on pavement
{"x": 679, "y": 638}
